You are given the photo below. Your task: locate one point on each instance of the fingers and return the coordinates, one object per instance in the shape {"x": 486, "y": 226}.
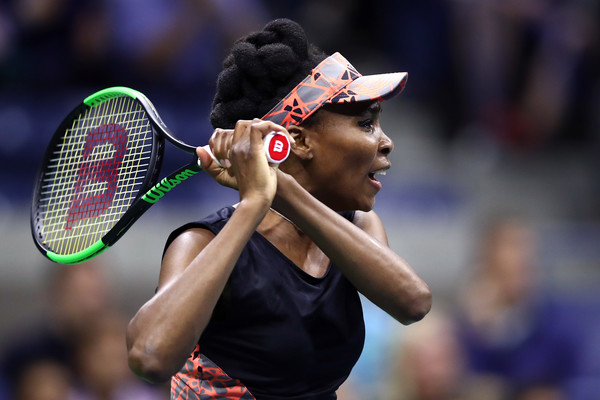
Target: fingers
{"x": 207, "y": 158}
{"x": 204, "y": 158}
{"x": 222, "y": 141}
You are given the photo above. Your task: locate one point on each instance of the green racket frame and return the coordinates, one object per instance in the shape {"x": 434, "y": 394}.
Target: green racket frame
{"x": 150, "y": 190}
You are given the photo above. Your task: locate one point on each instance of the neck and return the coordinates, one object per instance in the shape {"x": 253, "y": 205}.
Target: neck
{"x": 284, "y": 218}
{"x": 266, "y": 227}
{"x": 299, "y": 170}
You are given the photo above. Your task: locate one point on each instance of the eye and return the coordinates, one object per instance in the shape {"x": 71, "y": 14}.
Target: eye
{"x": 367, "y": 125}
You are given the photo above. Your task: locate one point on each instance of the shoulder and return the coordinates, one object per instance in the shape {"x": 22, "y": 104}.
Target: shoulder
{"x": 188, "y": 240}
{"x": 364, "y": 219}
{"x": 370, "y": 222}
{"x": 212, "y": 223}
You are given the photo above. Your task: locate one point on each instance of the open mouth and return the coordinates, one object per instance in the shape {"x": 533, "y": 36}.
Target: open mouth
{"x": 381, "y": 171}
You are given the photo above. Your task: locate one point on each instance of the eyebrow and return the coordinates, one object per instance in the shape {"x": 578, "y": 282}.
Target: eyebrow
{"x": 373, "y": 110}
{"x": 355, "y": 109}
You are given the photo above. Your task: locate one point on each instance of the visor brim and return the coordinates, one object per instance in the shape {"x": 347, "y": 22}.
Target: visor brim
{"x": 371, "y": 87}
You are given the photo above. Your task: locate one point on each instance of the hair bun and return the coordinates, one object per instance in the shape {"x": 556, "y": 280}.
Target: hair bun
{"x": 291, "y": 34}
{"x": 260, "y": 69}
{"x": 246, "y": 58}
{"x": 279, "y": 60}
{"x": 228, "y": 82}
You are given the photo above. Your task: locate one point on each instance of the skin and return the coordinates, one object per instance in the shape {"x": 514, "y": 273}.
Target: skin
{"x": 308, "y": 188}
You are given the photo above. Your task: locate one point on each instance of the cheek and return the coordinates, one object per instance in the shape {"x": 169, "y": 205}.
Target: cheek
{"x": 346, "y": 164}
{"x": 345, "y": 171}
{"x": 360, "y": 156}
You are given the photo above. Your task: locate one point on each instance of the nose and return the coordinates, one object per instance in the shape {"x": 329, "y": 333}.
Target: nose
{"x": 386, "y": 145}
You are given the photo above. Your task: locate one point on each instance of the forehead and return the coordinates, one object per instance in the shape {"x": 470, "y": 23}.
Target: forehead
{"x": 335, "y": 115}
{"x": 360, "y": 108}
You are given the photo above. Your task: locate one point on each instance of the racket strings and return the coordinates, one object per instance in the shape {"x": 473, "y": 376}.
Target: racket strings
{"x": 94, "y": 174}
{"x": 99, "y": 224}
{"x": 65, "y": 200}
{"x": 50, "y": 184}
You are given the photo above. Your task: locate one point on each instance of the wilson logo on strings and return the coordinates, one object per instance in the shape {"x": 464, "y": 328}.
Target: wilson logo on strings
{"x": 97, "y": 176}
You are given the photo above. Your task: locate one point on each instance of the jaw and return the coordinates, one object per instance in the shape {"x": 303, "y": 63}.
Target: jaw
{"x": 361, "y": 198}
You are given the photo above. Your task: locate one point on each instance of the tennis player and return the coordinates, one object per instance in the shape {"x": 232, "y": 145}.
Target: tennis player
{"x": 260, "y": 300}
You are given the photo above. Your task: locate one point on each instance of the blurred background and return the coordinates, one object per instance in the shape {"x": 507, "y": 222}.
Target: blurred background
{"x": 494, "y": 194}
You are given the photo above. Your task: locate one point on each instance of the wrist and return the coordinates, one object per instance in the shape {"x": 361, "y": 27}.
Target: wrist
{"x": 255, "y": 205}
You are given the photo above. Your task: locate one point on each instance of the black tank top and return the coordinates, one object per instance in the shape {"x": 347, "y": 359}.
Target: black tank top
{"x": 277, "y": 331}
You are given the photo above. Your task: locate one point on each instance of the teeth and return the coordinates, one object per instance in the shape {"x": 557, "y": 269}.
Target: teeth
{"x": 382, "y": 171}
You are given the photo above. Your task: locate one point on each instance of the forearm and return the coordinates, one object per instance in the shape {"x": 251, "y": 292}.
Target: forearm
{"x": 165, "y": 330}
{"x": 372, "y": 267}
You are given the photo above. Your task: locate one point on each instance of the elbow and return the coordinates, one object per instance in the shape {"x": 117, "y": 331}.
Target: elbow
{"x": 417, "y": 307}
{"x": 147, "y": 366}
{"x": 146, "y": 359}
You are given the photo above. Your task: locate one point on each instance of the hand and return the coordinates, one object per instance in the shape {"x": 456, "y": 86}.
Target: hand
{"x": 240, "y": 151}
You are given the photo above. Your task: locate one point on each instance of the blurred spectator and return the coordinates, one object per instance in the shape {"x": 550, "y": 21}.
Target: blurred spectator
{"x": 77, "y": 296}
{"x": 178, "y": 45}
{"x": 101, "y": 360}
{"x": 91, "y": 55}
{"x": 429, "y": 365}
{"x": 417, "y": 37}
{"x": 522, "y": 67}
{"x": 6, "y": 33}
{"x": 39, "y": 56}
{"x": 511, "y": 329}
{"x": 368, "y": 378}
{"x": 43, "y": 380}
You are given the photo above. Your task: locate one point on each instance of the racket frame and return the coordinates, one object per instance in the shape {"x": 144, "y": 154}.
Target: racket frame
{"x": 150, "y": 190}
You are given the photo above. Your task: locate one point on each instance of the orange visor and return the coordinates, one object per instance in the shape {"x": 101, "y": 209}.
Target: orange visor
{"x": 334, "y": 80}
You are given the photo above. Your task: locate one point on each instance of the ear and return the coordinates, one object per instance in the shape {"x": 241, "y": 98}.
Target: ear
{"x": 302, "y": 142}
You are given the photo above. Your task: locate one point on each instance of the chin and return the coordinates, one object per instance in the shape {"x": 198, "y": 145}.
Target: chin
{"x": 338, "y": 203}
{"x": 365, "y": 206}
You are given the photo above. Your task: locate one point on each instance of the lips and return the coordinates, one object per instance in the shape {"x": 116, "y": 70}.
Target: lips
{"x": 380, "y": 171}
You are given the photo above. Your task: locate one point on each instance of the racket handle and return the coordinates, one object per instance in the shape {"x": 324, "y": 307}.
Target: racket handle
{"x": 277, "y": 149}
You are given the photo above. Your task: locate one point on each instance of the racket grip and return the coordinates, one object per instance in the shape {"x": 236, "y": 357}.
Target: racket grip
{"x": 277, "y": 149}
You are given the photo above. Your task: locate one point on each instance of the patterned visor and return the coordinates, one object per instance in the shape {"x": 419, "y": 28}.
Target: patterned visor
{"x": 334, "y": 80}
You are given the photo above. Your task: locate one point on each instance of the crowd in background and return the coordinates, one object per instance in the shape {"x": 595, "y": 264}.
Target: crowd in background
{"x": 75, "y": 349}
{"x": 512, "y": 83}
{"x": 523, "y": 75}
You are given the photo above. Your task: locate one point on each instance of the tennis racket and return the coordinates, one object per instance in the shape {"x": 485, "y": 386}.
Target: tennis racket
{"x": 100, "y": 173}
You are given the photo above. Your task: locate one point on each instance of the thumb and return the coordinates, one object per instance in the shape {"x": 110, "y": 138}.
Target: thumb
{"x": 206, "y": 158}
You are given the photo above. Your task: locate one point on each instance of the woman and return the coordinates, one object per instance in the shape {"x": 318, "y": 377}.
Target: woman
{"x": 264, "y": 294}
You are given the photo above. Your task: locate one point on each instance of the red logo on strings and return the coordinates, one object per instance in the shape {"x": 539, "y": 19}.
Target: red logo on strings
{"x": 89, "y": 203}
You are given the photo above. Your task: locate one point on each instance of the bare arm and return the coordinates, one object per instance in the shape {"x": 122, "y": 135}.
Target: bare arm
{"x": 194, "y": 272}
{"x": 197, "y": 264}
{"x": 361, "y": 252}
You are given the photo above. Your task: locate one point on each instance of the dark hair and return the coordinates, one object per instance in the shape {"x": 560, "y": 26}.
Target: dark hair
{"x": 260, "y": 70}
